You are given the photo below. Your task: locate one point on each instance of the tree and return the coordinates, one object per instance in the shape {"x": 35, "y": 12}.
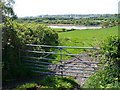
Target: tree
{"x": 7, "y": 9}
{"x": 10, "y": 49}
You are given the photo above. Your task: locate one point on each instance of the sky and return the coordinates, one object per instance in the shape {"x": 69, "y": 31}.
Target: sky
{"x": 23, "y": 8}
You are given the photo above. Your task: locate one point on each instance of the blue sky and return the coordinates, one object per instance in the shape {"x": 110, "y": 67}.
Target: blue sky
{"x": 52, "y": 7}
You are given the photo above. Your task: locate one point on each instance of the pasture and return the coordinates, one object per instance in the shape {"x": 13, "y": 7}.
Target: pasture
{"x": 87, "y": 38}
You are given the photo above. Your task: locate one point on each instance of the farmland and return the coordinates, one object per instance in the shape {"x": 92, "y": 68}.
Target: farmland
{"x": 84, "y": 38}
{"x": 87, "y": 37}
{"x": 35, "y": 56}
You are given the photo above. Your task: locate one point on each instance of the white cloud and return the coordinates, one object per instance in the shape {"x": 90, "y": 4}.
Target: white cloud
{"x": 38, "y": 7}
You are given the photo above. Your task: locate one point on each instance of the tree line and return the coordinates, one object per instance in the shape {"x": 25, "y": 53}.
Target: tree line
{"x": 101, "y": 20}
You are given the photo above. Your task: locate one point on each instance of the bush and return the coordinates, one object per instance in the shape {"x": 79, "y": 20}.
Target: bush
{"x": 108, "y": 76}
{"x": 36, "y": 34}
{"x": 53, "y": 83}
{"x": 105, "y": 78}
{"x": 64, "y": 30}
{"x": 15, "y": 36}
{"x": 110, "y": 51}
{"x": 30, "y": 86}
{"x": 12, "y": 67}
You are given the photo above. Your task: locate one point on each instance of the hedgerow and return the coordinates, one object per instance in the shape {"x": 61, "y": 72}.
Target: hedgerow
{"x": 15, "y": 36}
{"x": 109, "y": 75}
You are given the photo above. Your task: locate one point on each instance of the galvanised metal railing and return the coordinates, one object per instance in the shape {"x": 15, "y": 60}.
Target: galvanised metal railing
{"x": 39, "y": 59}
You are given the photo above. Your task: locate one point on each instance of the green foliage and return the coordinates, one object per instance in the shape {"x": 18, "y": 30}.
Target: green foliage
{"x": 27, "y": 85}
{"x": 36, "y": 34}
{"x": 53, "y": 83}
{"x": 109, "y": 75}
{"x": 64, "y": 30}
{"x": 7, "y": 9}
{"x": 102, "y": 79}
{"x": 105, "y": 24}
{"x": 96, "y": 20}
{"x": 15, "y": 37}
{"x": 110, "y": 50}
{"x": 12, "y": 66}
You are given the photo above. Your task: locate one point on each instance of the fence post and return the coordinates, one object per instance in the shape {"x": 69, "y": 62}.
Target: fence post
{"x": 61, "y": 68}
{"x": 0, "y": 47}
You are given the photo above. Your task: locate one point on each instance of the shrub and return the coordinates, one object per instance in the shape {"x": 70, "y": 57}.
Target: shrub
{"x": 53, "y": 83}
{"x": 36, "y": 34}
{"x": 15, "y": 36}
{"x": 64, "y": 30}
{"x": 12, "y": 67}
{"x": 30, "y": 86}
{"x": 108, "y": 76}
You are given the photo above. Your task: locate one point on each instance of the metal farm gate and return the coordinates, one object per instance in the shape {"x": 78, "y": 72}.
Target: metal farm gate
{"x": 44, "y": 59}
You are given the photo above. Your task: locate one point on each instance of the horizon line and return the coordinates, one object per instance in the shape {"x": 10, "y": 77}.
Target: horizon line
{"x": 65, "y": 14}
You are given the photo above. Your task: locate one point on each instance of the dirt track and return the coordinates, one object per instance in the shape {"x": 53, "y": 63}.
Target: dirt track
{"x": 78, "y": 67}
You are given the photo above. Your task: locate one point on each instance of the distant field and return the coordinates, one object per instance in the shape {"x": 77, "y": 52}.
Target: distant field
{"x": 86, "y": 37}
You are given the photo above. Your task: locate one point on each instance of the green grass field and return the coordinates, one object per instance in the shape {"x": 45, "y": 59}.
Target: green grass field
{"x": 86, "y": 37}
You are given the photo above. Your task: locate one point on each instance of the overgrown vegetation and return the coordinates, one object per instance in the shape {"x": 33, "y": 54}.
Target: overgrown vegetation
{"x": 109, "y": 75}
{"x": 12, "y": 67}
{"x": 52, "y": 83}
{"x": 16, "y": 35}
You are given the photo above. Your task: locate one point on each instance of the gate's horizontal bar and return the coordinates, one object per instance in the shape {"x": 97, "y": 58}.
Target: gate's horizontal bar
{"x": 36, "y": 61}
{"x": 70, "y": 47}
{"x": 51, "y": 53}
{"x": 38, "y": 58}
{"x": 80, "y": 72}
{"x": 81, "y": 61}
{"x": 85, "y": 55}
{"x": 78, "y": 66}
{"x": 38, "y": 68}
{"x": 36, "y": 65}
{"x": 52, "y": 73}
{"x": 40, "y": 52}
{"x": 81, "y": 69}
